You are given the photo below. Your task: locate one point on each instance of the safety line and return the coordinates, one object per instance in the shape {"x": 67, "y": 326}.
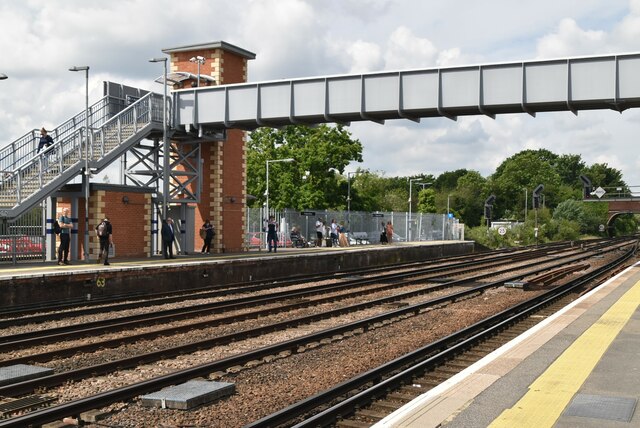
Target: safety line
{"x": 549, "y": 395}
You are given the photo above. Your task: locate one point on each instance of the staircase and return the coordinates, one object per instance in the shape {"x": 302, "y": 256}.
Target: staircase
{"x": 29, "y": 177}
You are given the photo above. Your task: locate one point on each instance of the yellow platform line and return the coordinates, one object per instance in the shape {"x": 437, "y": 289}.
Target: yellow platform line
{"x": 549, "y": 395}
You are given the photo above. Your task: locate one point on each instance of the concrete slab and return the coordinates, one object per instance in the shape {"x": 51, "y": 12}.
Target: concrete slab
{"x": 189, "y": 395}
{"x": 21, "y": 372}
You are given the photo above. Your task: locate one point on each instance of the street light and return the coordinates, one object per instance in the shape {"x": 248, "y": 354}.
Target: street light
{"x": 408, "y": 226}
{"x": 87, "y": 176}
{"x": 165, "y": 143}
{"x": 266, "y": 193}
{"x": 349, "y": 174}
{"x": 3, "y": 76}
{"x": 200, "y": 60}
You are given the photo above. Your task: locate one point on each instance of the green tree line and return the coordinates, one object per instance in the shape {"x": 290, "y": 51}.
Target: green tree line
{"x": 317, "y": 180}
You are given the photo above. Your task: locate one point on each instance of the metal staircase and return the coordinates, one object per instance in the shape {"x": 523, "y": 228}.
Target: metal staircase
{"x": 29, "y": 177}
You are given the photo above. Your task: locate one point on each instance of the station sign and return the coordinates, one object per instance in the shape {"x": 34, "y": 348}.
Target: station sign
{"x": 308, "y": 213}
{"x": 377, "y": 215}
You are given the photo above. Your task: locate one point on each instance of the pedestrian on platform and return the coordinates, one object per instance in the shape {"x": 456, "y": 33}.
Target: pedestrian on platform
{"x": 207, "y": 233}
{"x": 65, "y": 237}
{"x": 389, "y": 231}
{"x": 334, "y": 232}
{"x": 104, "y": 232}
{"x": 383, "y": 234}
{"x": 272, "y": 234}
{"x": 168, "y": 238}
{"x": 319, "y": 232}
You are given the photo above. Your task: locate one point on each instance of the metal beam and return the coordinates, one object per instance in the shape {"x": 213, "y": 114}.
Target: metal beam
{"x": 569, "y": 84}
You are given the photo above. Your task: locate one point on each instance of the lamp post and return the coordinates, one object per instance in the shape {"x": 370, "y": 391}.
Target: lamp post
{"x": 87, "y": 175}
{"x": 526, "y": 196}
{"x": 349, "y": 174}
{"x": 3, "y": 76}
{"x": 266, "y": 193}
{"x": 200, "y": 60}
{"x": 165, "y": 143}
{"x": 408, "y": 226}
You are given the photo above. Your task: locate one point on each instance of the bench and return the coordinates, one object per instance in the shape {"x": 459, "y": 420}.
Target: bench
{"x": 360, "y": 237}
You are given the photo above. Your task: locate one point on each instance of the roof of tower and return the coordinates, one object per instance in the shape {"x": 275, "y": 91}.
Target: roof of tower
{"x": 212, "y": 45}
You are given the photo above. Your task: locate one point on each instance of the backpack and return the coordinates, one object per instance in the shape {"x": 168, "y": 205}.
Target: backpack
{"x": 102, "y": 229}
{"x": 56, "y": 227}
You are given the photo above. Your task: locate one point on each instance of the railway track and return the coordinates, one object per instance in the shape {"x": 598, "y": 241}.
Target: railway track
{"x": 278, "y": 350}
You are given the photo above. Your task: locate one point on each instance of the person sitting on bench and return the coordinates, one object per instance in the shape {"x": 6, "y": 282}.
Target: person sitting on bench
{"x": 296, "y": 238}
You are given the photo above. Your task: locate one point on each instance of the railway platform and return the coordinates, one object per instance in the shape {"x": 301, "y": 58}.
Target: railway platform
{"x": 47, "y": 282}
{"x": 578, "y": 368}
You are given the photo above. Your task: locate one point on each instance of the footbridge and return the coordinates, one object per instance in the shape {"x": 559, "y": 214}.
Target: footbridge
{"x": 203, "y": 114}
{"x": 572, "y": 84}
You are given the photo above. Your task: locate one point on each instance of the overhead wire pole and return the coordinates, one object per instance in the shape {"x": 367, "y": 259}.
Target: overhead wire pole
{"x": 87, "y": 173}
{"x": 165, "y": 143}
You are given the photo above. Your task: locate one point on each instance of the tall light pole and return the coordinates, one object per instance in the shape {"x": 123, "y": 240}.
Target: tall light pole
{"x": 200, "y": 60}
{"x": 266, "y": 193}
{"x": 165, "y": 143}
{"x": 87, "y": 175}
{"x": 526, "y": 196}
{"x": 349, "y": 174}
{"x": 408, "y": 226}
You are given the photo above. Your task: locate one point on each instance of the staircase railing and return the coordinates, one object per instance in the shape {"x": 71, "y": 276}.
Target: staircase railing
{"x": 65, "y": 158}
{"x": 24, "y": 148}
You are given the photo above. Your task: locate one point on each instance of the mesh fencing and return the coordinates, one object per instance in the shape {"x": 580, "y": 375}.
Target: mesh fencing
{"x": 365, "y": 226}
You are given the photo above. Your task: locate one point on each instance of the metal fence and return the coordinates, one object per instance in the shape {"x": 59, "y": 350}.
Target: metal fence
{"x": 418, "y": 227}
{"x": 23, "y": 240}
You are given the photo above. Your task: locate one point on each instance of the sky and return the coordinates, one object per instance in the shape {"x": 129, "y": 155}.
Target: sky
{"x": 41, "y": 39}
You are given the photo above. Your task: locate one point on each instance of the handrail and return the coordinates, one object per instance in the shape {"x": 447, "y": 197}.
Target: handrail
{"x": 19, "y": 151}
{"x": 28, "y": 177}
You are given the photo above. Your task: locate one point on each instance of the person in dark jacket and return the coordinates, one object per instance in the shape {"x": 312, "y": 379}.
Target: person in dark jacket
{"x": 208, "y": 232}
{"x": 168, "y": 236}
{"x": 272, "y": 234}
{"x": 45, "y": 140}
{"x": 104, "y": 231}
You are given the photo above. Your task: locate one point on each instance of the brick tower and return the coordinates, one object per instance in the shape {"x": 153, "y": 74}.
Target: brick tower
{"x": 223, "y": 198}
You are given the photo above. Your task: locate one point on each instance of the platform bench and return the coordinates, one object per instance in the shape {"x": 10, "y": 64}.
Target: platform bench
{"x": 360, "y": 237}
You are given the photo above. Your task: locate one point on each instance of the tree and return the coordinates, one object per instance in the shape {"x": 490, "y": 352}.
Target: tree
{"x": 309, "y": 182}
{"x": 524, "y": 171}
{"x": 427, "y": 201}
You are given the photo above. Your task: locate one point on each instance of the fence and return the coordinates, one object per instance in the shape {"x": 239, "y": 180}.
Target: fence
{"x": 23, "y": 240}
{"x": 418, "y": 227}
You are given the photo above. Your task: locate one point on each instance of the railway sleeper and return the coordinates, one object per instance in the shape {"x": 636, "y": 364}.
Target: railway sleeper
{"x": 402, "y": 397}
{"x": 371, "y": 414}
{"x": 348, "y": 423}
{"x": 386, "y": 406}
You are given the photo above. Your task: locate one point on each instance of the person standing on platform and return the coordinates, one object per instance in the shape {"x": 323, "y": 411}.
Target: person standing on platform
{"x": 207, "y": 232}
{"x": 383, "y": 234}
{"x": 272, "y": 234}
{"x": 104, "y": 231}
{"x": 65, "y": 237}
{"x": 168, "y": 237}
{"x": 319, "y": 232}
{"x": 334, "y": 233}
{"x": 389, "y": 231}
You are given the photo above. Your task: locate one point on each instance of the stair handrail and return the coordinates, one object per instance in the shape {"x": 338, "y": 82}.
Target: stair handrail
{"x": 19, "y": 151}
{"x": 51, "y": 163}
{"x": 145, "y": 110}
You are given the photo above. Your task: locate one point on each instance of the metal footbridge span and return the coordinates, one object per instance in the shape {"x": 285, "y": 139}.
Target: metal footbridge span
{"x": 598, "y": 82}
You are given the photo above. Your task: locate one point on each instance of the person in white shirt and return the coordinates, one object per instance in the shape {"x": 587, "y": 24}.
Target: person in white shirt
{"x": 334, "y": 233}
{"x": 319, "y": 232}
